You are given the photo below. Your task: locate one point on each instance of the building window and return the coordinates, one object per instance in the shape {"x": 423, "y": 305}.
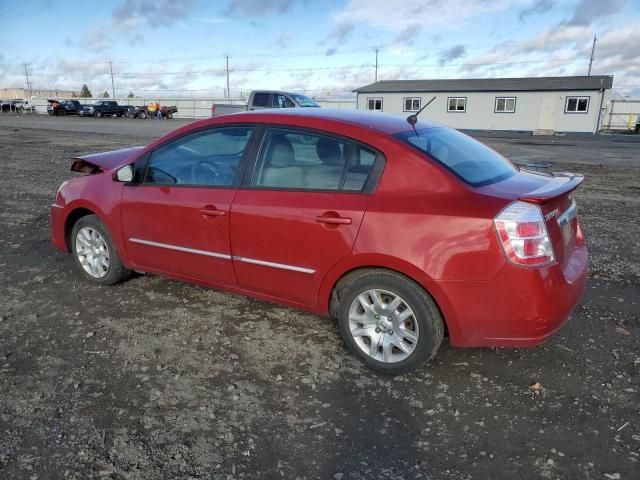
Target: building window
{"x": 412, "y": 104}
{"x": 457, "y": 104}
{"x": 374, "y": 103}
{"x": 505, "y": 105}
{"x": 576, "y": 105}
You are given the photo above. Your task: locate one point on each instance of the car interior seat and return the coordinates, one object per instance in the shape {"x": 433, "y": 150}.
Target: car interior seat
{"x": 280, "y": 169}
{"x": 327, "y": 175}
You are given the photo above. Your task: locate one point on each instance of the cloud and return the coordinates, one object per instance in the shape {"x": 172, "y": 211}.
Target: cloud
{"x": 283, "y": 40}
{"x": 155, "y": 13}
{"x": 337, "y": 36}
{"x": 258, "y": 8}
{"x": 441, "y": 15}
{"x": 95, "y": 40}
{"x": 589, "y": 11}
{"x": 538, "y": 7}
{"x": 210, "y": 20}
{"x": 451, "y": 54}
{"x": 408, "y": 35}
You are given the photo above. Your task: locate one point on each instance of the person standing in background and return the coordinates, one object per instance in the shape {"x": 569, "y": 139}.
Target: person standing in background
{"x": 152, "y": 109}
{"x": 158, "y": 111}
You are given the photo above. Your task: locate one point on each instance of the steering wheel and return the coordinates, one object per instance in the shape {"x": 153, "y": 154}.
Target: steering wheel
{"x": 215, "y": 173}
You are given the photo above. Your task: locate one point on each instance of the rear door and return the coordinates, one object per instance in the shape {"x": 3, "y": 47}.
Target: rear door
{"x": 177, "y": 219}
{"x": 299, "y": 212}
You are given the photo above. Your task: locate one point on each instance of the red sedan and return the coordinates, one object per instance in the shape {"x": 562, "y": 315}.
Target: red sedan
{"x": 399, "y": 231}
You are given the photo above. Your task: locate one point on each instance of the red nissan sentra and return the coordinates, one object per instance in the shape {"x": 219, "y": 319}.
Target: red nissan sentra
{"x": 399, "y": 231}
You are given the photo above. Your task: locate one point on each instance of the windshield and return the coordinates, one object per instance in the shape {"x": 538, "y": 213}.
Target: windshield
{"x": 467, "y": 158}
{"x": 304, "y": 101}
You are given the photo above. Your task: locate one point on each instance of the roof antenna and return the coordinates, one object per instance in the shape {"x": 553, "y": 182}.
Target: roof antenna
{"x": 413, "y": 119}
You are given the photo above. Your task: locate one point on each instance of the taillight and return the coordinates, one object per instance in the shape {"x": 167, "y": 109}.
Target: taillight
{"x": 523, "y": 235}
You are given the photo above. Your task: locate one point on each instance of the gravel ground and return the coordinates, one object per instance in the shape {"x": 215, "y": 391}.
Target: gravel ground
{"x": 159, "y": 379}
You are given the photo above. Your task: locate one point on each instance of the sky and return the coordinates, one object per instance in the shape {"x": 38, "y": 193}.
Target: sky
{"x": 178, "y": 48}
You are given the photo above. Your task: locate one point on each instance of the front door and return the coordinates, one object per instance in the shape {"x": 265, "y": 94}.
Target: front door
{"x": 547, "y": 113}
{"x": 177, "y": 219}
{"x": 300, "y": 213}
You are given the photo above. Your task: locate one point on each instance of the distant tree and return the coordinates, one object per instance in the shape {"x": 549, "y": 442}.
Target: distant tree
{"x": 131, "y": 95}
{"x": 85, "y": 92}
{"x": 105, "y": 94}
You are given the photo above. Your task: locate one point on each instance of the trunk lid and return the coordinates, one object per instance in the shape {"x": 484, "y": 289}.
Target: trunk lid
{"x": 554, "y": 194}
{"x": 102, "y": 162}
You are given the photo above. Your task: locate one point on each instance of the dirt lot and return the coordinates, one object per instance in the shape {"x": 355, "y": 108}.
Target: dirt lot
{"x": 158, "y": 379}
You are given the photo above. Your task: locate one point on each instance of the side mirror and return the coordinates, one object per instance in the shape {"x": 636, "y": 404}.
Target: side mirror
{"x": 124, "y": 174}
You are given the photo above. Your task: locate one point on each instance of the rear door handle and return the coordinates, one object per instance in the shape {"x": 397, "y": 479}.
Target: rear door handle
{"x": 333, "y": 220}
{"x": 212, "y": 212}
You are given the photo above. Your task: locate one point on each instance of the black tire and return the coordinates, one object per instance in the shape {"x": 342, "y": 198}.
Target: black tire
{"x": 116, "y": 271}
{"x": 98, "y": 114}
{"x": 426, "y": 313}
{"x": 142, "y": 115}
{"x": 169, "y": 115}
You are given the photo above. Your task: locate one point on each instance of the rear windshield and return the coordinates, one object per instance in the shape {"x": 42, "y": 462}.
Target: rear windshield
{"x": 467, "y": 158}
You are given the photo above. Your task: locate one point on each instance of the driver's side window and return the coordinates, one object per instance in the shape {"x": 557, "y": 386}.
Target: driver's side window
{"x": 210, "y": 157}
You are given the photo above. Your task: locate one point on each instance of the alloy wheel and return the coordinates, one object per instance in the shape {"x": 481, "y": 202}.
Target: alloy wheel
{"x": 383, "y": 326}
{"x": 92, "y": 252}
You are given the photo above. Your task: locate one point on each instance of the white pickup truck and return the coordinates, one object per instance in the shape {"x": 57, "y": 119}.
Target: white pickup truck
{"x": 262, "y": 99}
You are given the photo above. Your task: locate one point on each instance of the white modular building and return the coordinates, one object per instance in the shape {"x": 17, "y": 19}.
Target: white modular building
{"x": 543, "y": 104}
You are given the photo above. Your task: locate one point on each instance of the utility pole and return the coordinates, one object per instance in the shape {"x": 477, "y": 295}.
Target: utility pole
{"x": 26, "y": 73}
{"x": 228, "y": 93}
{"x": 113, "y": 87}
{"x": 377, "y": 50}
{"x": 593, "y": 49}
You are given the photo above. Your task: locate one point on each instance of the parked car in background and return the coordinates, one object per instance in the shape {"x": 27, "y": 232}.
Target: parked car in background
{"x": 64, "y": 107}
{"x": 107, "y": 108}
{"x": 266, "y": 99}
{"x": 131, "y": 111}
{"x": 396, "y": 229}
{"x": 17, "y": 105}
{"x": 143, "y": 111}
{"x": 168, "y": 111}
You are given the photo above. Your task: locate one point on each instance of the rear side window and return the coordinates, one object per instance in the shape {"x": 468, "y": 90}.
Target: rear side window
{"x": 294, "y": 159}
{"x": 210, "y": 158}
{"x": 467, "y": 158}
{"x": 261, "y": 100}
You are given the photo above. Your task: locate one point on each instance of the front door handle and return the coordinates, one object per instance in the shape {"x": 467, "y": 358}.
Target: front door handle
{"x": 333, "y": 220}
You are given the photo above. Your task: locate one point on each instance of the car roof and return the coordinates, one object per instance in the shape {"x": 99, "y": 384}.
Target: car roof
{"x": 377, "y": 121}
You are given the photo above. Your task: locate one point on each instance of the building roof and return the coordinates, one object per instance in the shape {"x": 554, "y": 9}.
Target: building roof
{"x": 594, "y": 82}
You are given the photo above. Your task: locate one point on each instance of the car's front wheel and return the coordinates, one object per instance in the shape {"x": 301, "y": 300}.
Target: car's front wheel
{"x": 94, "y": 252}
{"x": 389, "y": 322}
{"x": 98, "y": 114}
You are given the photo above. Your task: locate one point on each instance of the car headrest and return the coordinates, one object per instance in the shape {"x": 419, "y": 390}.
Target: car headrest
{"x": 329, "y": 151}
{"x": 280, "y": 153}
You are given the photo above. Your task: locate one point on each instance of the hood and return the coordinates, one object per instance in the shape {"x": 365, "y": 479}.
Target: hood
{"x": 102, "y": 162}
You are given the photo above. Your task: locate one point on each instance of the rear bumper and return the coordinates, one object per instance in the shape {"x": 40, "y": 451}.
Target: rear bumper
{"x": 520, "y": 307}
{"x": 58, "y": 237}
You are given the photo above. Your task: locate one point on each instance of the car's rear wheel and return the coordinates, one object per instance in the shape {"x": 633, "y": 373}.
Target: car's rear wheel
{"x": 98, "y": 114}
{"x": 169, "y": 115}
{"x": 389, "y": 322}
{"x": 95, "y": 254}
{"x": 143, "y": 115}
